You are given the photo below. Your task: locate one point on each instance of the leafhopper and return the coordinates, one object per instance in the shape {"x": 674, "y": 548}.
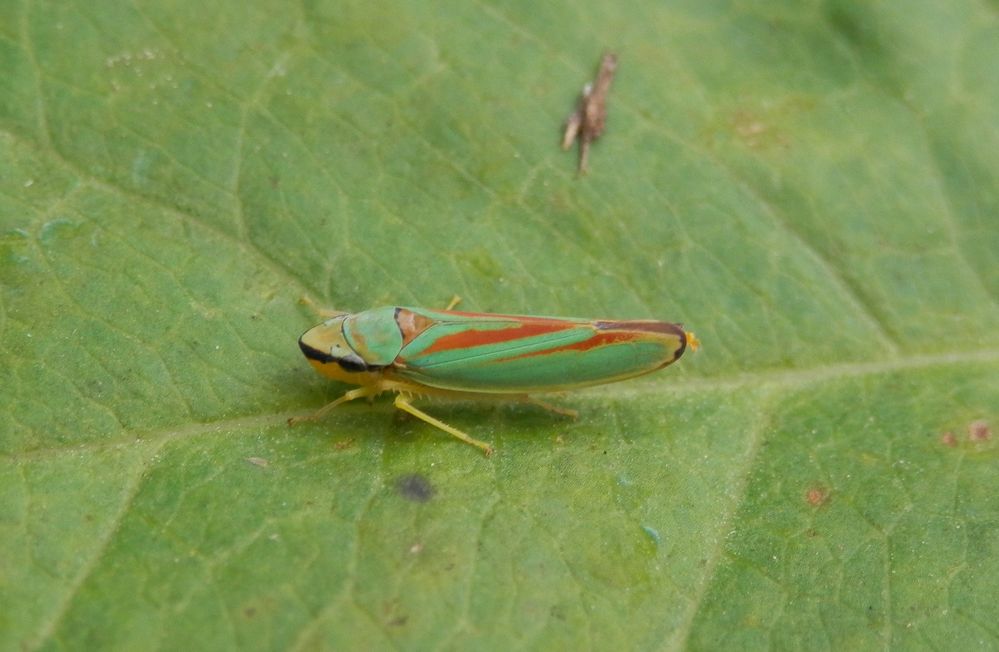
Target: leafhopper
{"x": 468, "y": 355}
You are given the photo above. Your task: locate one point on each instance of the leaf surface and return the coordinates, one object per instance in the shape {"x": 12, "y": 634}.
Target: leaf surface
{"x": 810, "y": 187}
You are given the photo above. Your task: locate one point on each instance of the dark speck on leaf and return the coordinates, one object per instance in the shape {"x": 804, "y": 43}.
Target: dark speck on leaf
{"x": 415, "y": 487}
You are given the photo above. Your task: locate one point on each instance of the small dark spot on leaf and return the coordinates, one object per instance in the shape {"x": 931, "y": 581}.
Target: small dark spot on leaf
{"x": 343, "y": 444}
{"x": 415, "y": 487}
{"x": 979, "y": 431}
{"x": 811, "y": 533}
{"x": 250, "y": 612}
{"x": 948, "y": 439}
{"x": 398, "y": 621}
{"x": 557, "y": 612}
{"x": 817, "y": 496}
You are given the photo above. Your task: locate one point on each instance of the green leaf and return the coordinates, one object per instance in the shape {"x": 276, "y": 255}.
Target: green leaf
{"x": 811, "y": 187}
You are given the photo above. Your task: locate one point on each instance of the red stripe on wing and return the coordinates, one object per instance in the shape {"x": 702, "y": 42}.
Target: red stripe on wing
{"x": 615, "y": 333}
{"x": 598, "y": 340}
{"x": 472, "y": 337}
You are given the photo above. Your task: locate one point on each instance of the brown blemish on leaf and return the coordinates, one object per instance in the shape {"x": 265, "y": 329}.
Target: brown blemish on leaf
{"x": 756, "y": 132}
{"x": 817, "y": 496}
{"x": 398, "y": 621}
{"x": 589, "y": 119}
{"x": 390, "y": 610}
{"x": 763, "y": 127}
{"x": 343, "y": 444}
{"x": 415, "y": 487}
{"x": 979, "y": 431}
{"x": 948, "y": 439}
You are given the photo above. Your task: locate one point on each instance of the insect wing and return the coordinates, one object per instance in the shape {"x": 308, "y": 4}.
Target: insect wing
{"x": 512, "y": 354}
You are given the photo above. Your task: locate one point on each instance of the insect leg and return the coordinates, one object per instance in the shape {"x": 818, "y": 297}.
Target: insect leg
{"x": 566, "y": 412}
{"x": 403, "y": 404}
{"x": 323, "y": 313}
{"x": 360, "y": 392}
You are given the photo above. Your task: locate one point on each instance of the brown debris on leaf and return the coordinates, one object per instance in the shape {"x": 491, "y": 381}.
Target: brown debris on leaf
{"x": 587, "y": 122}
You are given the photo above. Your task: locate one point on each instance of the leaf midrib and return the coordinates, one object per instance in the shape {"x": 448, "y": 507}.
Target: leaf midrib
{"x": 766, "y": 380}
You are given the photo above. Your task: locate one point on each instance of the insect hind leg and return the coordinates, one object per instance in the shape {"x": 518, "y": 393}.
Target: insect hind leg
{"x": 403, "y": 404}
{"x": 565, "y": 412}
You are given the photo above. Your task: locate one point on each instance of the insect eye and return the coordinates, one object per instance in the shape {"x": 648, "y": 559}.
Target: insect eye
{"x": 351, "y": 362}
{"x": 345, "y": 357}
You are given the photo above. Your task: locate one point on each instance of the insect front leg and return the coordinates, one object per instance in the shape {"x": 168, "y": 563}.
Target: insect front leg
{"x": 360, "y": 392}
{"x": 403, "y": 404}
{"x": 322, "y": 313}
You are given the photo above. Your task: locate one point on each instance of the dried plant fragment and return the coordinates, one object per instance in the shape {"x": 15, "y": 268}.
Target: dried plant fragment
{"x": 587, "y": 122}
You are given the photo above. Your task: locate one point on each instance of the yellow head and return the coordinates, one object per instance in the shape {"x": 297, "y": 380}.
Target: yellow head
{"x": 328, "y": 352}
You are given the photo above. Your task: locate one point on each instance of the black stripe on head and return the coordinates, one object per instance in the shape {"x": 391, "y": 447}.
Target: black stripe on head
{"x": 352, "y": 363}
{"x": 315, "y": 354}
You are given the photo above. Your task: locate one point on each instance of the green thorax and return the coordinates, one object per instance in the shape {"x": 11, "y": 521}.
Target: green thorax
{"x": 374, "y": 335}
